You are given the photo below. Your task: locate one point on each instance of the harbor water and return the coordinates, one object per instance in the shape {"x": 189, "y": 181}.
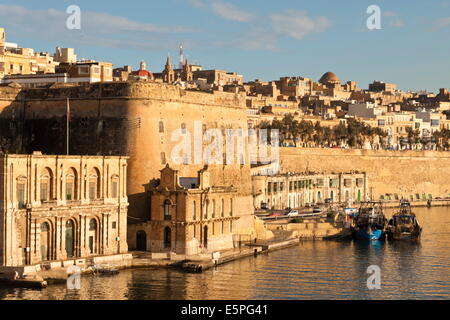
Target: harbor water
{"x": 312, "y": 270}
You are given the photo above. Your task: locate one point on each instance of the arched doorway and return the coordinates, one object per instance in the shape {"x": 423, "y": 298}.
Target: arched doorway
{"x": 92, "y": 237}
{"x": 70, "y": 247}
{"x": 45, "y": 241}
{"x": 167, "y": 238}
{"x": 141, "y": 240}
{"x": 205, "y": 237}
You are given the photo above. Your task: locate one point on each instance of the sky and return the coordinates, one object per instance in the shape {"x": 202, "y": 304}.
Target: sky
{"x": 259, "y": 39}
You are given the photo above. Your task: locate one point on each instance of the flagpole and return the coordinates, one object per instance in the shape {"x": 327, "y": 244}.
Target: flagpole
{"x": 67, "y": 126}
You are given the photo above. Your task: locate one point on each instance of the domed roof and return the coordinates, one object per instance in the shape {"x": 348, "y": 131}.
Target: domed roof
{"x": 329, "y": 77}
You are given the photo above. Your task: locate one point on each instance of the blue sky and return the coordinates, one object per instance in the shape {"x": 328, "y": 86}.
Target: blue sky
{"x": 257, "y": 38}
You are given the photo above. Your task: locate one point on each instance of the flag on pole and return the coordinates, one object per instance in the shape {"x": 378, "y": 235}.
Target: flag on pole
{"x": 68, "y": 110}
{"x": 67, "y": 126}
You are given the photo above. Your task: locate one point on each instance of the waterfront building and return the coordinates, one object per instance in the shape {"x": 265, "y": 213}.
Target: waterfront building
{"x": 296, "y": 190}
{"x": 193, "y": 215}
{"x": 56, "y": 208}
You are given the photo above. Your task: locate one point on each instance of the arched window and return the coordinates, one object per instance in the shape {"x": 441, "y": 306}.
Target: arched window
{"x": 46, "y": 185}
{"x": 167, "y": 210}
{"x": 45, "y": 240}
{"x": 194, "y": 210}
{"x": 94, "y": 184}
{"x": 222, "y": 208}
{"x": 213, "y": 209}
{"x": 71, "y": 185}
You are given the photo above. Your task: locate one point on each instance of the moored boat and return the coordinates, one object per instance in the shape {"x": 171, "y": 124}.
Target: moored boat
{"x": 404, "y": 225}
{"x": 370, "y": 222}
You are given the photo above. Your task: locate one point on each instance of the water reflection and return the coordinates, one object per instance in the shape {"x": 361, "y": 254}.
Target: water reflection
{"x": 313, "y": 270}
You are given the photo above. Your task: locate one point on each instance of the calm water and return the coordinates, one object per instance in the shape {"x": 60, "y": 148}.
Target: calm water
{"x": 313, "y": 270}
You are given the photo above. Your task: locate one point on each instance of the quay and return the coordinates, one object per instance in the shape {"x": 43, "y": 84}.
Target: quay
{"x": 284, "y": 233}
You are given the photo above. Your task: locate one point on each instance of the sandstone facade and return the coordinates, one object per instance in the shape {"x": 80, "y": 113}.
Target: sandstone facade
{"x": 55, "y": 208}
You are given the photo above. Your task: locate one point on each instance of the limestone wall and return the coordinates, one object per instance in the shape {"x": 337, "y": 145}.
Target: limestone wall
{"x": 403, "y": 172}
{"x": 133, "y": 119}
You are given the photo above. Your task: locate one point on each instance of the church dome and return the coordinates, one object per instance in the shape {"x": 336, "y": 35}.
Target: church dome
{"x": 329, "y": 77}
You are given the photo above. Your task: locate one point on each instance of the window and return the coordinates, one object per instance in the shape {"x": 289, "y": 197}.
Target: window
{"x": 114, "y": 189}
{"x": 205, "y": 214}
{"x": 114, "y": 225}
{"x": 69, "y": 191}
{"x": 46, "y": 185}
{"x": 167, "y": 210}
{"x": 231, "y": 226}
{"x": 194, "y": 211}
{"x": 94, "y": 184}
{"x": 44, "y": 191}
{"x": 21, "y": 195}
{"x": 213, "y": 209}
{"x": 163, "y": 158}
{"x": 231, "y": 207}
{"x": 83, "y": 70}
{"x": 92, "y": 225}
{"x": 161, "y": 127}
{"x": 71, "y": 185}
{"x": 222, "y": 208}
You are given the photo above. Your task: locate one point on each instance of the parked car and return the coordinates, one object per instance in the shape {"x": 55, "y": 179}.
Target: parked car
{"x": 276, "y": 214}
{"x": 329, "y": 200}
{"x": 264, "y": 206}
{"x": 293, "y": 213}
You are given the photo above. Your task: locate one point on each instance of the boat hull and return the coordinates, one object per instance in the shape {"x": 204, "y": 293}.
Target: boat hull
{"x": 361, "y": 234}
{"x": 405, "y": 236}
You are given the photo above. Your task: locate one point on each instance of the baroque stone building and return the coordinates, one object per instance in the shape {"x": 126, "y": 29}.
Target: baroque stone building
{"x": 193, "y": 215}
{"x": 55, "y": 208}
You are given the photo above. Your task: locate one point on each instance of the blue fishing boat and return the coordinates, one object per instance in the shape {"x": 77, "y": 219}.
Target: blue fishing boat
{"x": 369, "y": 223}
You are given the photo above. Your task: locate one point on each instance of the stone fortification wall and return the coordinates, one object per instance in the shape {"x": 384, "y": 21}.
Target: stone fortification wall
{"x": 403, "y": 172}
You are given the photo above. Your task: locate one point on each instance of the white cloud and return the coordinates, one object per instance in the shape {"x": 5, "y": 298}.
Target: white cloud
{"x": 397, "y": 23}
{"x": 230, "y": 12}
{"x": 95, "y": 28}
{"x": 225, "y": 10}
{"x": 442, "y": 23}
{"x": 297, "y": 24}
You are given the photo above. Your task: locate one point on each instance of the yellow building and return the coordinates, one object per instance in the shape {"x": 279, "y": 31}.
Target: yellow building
{"x": 16, "y": 60}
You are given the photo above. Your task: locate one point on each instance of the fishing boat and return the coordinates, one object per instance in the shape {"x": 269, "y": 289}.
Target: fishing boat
{"x": 370, "y": 222}
{"x": 404, "y": 225}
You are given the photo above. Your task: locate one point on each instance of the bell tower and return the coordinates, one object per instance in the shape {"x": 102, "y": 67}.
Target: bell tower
{"x": 168, "y": 73}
